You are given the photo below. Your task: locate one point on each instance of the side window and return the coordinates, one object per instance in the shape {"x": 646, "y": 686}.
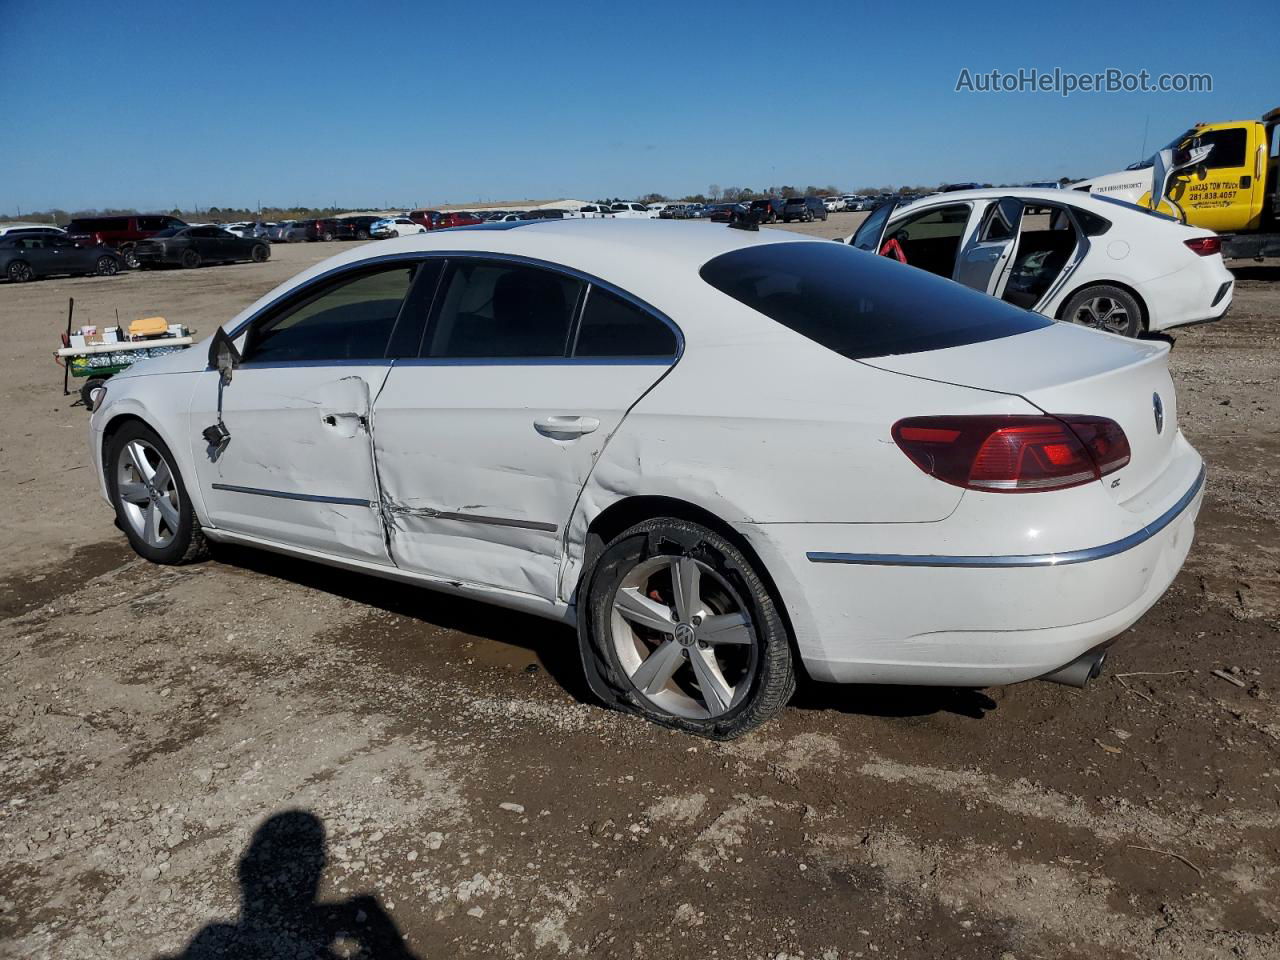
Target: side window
{"x": 1228, "y": 147}
{"x": 495, "y": 309}
{"x": 1001, "y": 222}
{"x": 352, "y": 320}
{"x": 612, "y": 327}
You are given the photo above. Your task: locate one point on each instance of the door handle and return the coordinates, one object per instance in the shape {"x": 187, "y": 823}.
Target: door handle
{"x": 565, "y": 427}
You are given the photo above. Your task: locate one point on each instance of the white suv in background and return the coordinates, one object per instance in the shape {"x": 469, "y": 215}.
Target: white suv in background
{"x": 636, "y": 211}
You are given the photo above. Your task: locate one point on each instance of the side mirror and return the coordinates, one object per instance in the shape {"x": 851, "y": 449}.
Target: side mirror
{"x": 223, "y": 355}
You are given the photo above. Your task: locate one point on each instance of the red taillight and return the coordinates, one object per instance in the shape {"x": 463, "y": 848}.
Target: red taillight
{"x": 1205, "y": 246}
{"x": 1014, "y": 454}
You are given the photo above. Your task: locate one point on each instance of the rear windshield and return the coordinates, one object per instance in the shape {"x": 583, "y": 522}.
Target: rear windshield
{"x": 861, "y": 305}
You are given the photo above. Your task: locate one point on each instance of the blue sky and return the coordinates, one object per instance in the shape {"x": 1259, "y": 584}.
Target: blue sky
{"x": 156, "y": 105}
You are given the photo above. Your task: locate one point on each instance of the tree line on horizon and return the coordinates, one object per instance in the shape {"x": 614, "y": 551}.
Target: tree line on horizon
{"x": 714, "y": 194}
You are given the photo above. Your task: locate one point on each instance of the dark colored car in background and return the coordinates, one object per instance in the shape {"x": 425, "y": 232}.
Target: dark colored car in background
{"x": 191, "y": 246}
{"x": 27, "y": 256}
{"x": 767, "y": 209}
{"x": 355, "y": 228}
{"x": 804, "y": 209}
{"x": 723, "y": 212}
{"x": 122, "y": 233}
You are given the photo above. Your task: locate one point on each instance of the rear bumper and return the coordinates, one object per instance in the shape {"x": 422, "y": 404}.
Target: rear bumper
{"x": 955, "y": 619}
{"x": 1196, "y": 294}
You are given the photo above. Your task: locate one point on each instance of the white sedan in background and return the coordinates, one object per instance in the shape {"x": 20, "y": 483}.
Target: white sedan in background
{"x": 395, "y": 227}
{"x": 722, "y": 454}
{"x": 1072, "y": 256}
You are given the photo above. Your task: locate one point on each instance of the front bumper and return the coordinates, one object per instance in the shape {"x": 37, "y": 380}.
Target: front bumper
{"x": 953, "y": 619}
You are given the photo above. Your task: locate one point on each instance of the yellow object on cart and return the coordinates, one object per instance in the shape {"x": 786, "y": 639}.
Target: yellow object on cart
{"x": 149, "y": 327}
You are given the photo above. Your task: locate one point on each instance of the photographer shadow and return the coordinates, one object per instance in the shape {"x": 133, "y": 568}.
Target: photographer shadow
{"x": 280, "y": 874}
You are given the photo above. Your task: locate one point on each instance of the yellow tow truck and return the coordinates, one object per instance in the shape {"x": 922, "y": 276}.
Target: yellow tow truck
{"x": 1222, "y": 176}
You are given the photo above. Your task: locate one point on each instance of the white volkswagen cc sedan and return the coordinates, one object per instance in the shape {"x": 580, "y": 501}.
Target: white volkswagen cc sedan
{"x": 1073, "y": 256}
{"x": 726, "y": 456}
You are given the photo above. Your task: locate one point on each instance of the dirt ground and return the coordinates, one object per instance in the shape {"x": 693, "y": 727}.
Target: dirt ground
{"x": 260, "y": 752}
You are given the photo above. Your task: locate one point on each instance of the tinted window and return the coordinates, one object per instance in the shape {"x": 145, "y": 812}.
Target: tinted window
{"x": 861, "y": 306}
{"x": 613, "y": 327}
{"x": 1228, "y": 147}
{"x": 153, "y": 223}
{"x": 350, "y": 321}
{"x": 493, "y": 309}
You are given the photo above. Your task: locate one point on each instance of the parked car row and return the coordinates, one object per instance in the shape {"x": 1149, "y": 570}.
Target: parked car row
{"x": 103, "y": 246}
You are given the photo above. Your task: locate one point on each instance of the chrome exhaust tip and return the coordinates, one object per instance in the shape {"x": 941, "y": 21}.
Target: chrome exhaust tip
{"x": 1080, "y": 671}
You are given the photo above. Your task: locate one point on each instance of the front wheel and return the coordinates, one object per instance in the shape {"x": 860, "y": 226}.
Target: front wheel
{"x": 684, "y": 631}
{"x": 130, "y": 260}
{"x": 107, "y": 267}
{"x": 1108, "y": 308}
{"x": 151, "y": 501}
{"x": 327, "y": 236}
{"x": 190, "y": 259}
{"x": 20, "y": 272}
{"x": 260, "y": 253}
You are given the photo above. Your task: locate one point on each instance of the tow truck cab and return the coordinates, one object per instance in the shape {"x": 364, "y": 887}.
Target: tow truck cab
{"x": 1233, "y": 190}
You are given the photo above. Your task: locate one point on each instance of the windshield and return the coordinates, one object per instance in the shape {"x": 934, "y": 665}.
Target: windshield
{"x": 861, "y": 305}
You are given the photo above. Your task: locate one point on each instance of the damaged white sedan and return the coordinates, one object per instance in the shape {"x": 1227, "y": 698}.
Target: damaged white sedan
{"x": 726, "y": 456}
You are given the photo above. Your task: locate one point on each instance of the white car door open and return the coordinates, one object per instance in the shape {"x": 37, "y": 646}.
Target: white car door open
{"x": 298, "y": 465}
{"x": 484, "y": 443}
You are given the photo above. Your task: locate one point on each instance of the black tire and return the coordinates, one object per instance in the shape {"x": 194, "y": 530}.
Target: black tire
{"x": 190, "y": 259}
{"x": 362, "y": 234}
{"x": 188, "y": 542}
{"x": 107, "y": 267}
{"x": 326, "y": 236}
{"x": 20, "y": 272}
{"x": 130, "y": 260}
{"x": 772, "y": 679}
{"x": 89, "y": 392}
{"x": 1099, "y": 306}
{"x": 261, "y": 253}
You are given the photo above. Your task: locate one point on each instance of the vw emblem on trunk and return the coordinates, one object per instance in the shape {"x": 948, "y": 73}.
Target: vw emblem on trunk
{"x": 1157, "y": 408}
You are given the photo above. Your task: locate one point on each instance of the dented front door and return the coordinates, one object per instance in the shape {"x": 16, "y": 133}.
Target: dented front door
{"x": 298, "y": 467}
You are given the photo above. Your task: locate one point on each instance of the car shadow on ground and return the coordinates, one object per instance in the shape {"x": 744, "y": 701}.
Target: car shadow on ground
{"x": 280, "y": 915}
{"x": 556, "y": 647}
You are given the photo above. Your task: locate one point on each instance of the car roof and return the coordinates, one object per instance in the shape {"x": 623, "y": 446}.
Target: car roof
{"x": 1078, "y": 197}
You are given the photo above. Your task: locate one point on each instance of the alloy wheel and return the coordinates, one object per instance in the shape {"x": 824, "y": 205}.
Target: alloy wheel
{"x": 148, "y": 493}
{"x": 1103, "y": 313}
{"x": 20, "y": 272}
{"x": 684, "y": 637}
{"x": 107, "y": 266}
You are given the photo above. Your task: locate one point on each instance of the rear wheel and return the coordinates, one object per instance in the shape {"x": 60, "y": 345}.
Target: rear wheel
{"x": 107, "y": 267}
{"x": 190, "y": 259}
{"x": 1104, "y": 307}
{"x": 151, "y": 501}
{"x": 684, "y": 630}
{"x": 130, "y": 260}
{"x": 326, "y": 236}
{"x": 20, "y": 272}
{"x": 260, "y": 253}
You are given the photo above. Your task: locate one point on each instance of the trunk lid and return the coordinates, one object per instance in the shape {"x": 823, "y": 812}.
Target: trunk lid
{"x": 1064, "y": 368}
